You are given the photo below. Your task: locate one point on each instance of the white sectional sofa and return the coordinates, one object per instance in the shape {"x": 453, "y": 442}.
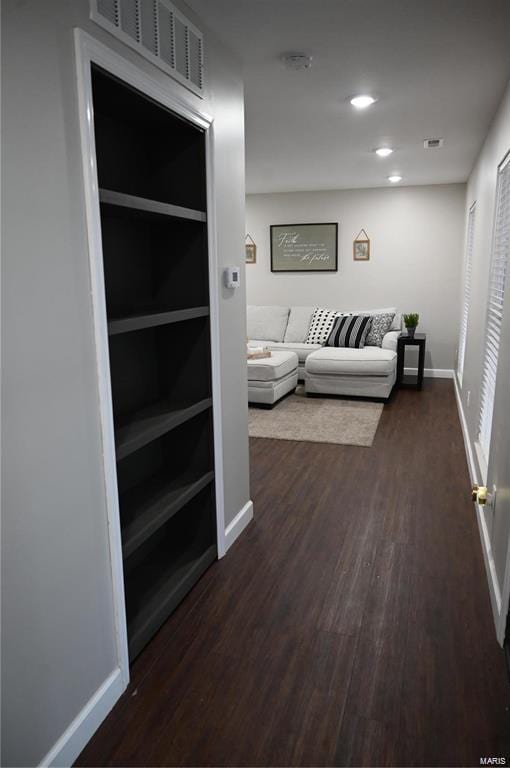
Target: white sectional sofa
{"x": 368, "y": 372}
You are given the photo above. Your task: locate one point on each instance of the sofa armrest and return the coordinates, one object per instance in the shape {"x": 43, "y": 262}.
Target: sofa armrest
{"x": 390, "y": 340}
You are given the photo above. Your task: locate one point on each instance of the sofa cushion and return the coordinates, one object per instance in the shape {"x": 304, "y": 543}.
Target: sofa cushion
{"x": 349, "y": 331}
{"x": 321, "y": 325}
{"x": 301, "y": 350}
{"x": 379, "y": 326}
{"x": 299, "y": 323}
{"x": 369, "y": 361}
{"x": 271, "y": 368}
{"x": 267, "y": 323}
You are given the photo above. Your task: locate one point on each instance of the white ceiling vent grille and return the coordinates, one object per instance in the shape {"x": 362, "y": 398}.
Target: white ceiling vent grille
{"x": 433, "y": 143}
{"x": 159, "y": 32}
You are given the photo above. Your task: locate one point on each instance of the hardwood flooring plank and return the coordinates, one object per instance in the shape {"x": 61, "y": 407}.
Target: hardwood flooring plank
{"x": 349, "y": 625}
{"x": 364, "y": 742}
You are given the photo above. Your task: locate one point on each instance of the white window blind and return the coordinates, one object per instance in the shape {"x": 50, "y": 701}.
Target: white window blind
{"x": 498, "y": 272}
{"x": 467, "y": 291}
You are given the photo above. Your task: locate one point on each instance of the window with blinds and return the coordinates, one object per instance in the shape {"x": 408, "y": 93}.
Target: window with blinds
{"x": 467, "y": 291}
{"x": 496, "y": 297}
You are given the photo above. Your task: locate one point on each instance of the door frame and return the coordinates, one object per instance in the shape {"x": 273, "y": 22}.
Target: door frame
{"x": 505, "y": 600}
{"x": 173, "y": 96}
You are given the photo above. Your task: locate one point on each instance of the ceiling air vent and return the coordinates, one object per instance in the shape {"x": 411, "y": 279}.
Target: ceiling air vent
{"x": 159, "y": 32}
{"x": 297, "y": 61}
{"x": 433, "y": 143}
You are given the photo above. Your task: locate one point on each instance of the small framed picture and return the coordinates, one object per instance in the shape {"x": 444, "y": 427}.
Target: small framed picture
{"x": 250, "y": 250}
{"x": 361, "y": 248}
{"x": 251, "y": 253}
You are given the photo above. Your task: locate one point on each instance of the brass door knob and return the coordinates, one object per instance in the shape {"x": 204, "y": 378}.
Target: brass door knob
{"x": 479, "y": 494}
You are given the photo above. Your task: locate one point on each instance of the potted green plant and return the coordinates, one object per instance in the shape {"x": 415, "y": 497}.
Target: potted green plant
{"x": 410, "y": 322}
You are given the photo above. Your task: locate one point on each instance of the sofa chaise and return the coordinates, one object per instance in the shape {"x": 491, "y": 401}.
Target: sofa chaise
{"x": 367, "y": 372}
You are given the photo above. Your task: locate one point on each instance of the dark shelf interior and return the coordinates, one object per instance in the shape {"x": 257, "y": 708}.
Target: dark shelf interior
{"x": 167, "y": 566}
{"x": 144, "y": 149}
{"x": 158, "y": 480}
{"x": 152, "y": 179}
{"x": 153, "y": 265}
{"x": 155, "y": 366}
{"x": 150, "y": 423}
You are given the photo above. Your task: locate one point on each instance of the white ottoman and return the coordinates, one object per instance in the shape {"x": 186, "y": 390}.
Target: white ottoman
{"x": 270, "y": 378}
{"x": 368, "y": 372}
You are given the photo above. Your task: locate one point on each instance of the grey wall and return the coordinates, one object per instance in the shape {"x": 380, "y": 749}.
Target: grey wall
{"x": 57, "y": 616}
{"x": 482, "y": 189}
{"x": 416, "y": 238}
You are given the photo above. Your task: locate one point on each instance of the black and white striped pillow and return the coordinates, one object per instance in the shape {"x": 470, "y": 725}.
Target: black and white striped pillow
{"x": 349, "y": 331}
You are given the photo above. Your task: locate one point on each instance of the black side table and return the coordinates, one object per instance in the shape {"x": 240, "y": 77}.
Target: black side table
{"x": 418, "y": 340}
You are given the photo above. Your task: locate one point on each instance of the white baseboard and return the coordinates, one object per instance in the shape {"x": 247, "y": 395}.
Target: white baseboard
{"x": 238, "y": 524}
{"x": 431, "y": 373}
{"x": 86, "y": 723}
{"x": 490, "y": 566}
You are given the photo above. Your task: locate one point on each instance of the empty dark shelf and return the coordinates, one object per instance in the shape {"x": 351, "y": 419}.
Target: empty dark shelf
{"x": 151, "y": 320}
{"x": 146, "y": 508}
{"x": 150, "y": 423}
{"x": 142, "y": 204}
{"x": 165, "y": 590}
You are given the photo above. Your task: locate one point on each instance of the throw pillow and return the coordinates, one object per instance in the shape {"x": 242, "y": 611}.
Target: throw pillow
{"x": 349, "y": 331}
{"x": 320, "y": 326}
{"x": 381, "y": 324}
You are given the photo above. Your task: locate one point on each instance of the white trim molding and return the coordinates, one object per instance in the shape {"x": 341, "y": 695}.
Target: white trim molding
{"x": 215, "y": 335}
{"x": 84, "y": 725}
{"x": 238, "y": 524}
{"x": 431, "y": 373}
{"x": 482, "y": 463}
{"x": 490, "y": 566}
{"x": 89, "y": 50}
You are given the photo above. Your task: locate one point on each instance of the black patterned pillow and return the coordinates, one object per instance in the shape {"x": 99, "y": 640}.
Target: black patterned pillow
{"x": 320, "y": 326}
{"x": 381, "y": 324}
{"x": 349, "y": 331}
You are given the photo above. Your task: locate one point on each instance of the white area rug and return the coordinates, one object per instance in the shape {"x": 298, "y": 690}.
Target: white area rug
{"x": 317, "y": 420}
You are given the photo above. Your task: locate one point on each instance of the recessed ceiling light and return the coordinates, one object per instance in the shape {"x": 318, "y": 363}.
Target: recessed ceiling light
{"x": 395, "y": 179}
{"x": 383, "y": 151}
{"x": 362, "y": 102}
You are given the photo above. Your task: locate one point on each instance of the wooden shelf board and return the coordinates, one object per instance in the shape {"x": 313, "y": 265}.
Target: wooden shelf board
{"x": 166, "y": 592}
{"x": 151, "y": 320}
{"x": 143, "y": 204}
{"x": 153, "y": 422}
{"x": 145, "y": 509}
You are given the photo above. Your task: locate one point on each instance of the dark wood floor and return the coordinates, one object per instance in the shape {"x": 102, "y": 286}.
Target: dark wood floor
{"x": 350, "y": 625}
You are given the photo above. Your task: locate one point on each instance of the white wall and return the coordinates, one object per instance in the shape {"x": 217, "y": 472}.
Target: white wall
{"x": 416, "y": 238}
{"x": 481, "y": 189}
{"x": 58, "y": 639}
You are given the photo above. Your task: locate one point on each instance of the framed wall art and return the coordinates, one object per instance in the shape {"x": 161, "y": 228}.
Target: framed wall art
{"x": 361, "y": 247}
{"x": 250, "y": 249}
{"x": 304, "y": 247}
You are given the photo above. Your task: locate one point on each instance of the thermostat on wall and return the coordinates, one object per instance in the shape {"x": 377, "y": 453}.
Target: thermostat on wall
{"x": 232, "y": 277}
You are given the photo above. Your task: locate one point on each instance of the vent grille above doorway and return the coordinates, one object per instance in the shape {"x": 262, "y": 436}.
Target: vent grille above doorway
{"x": 159, "y": 32}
